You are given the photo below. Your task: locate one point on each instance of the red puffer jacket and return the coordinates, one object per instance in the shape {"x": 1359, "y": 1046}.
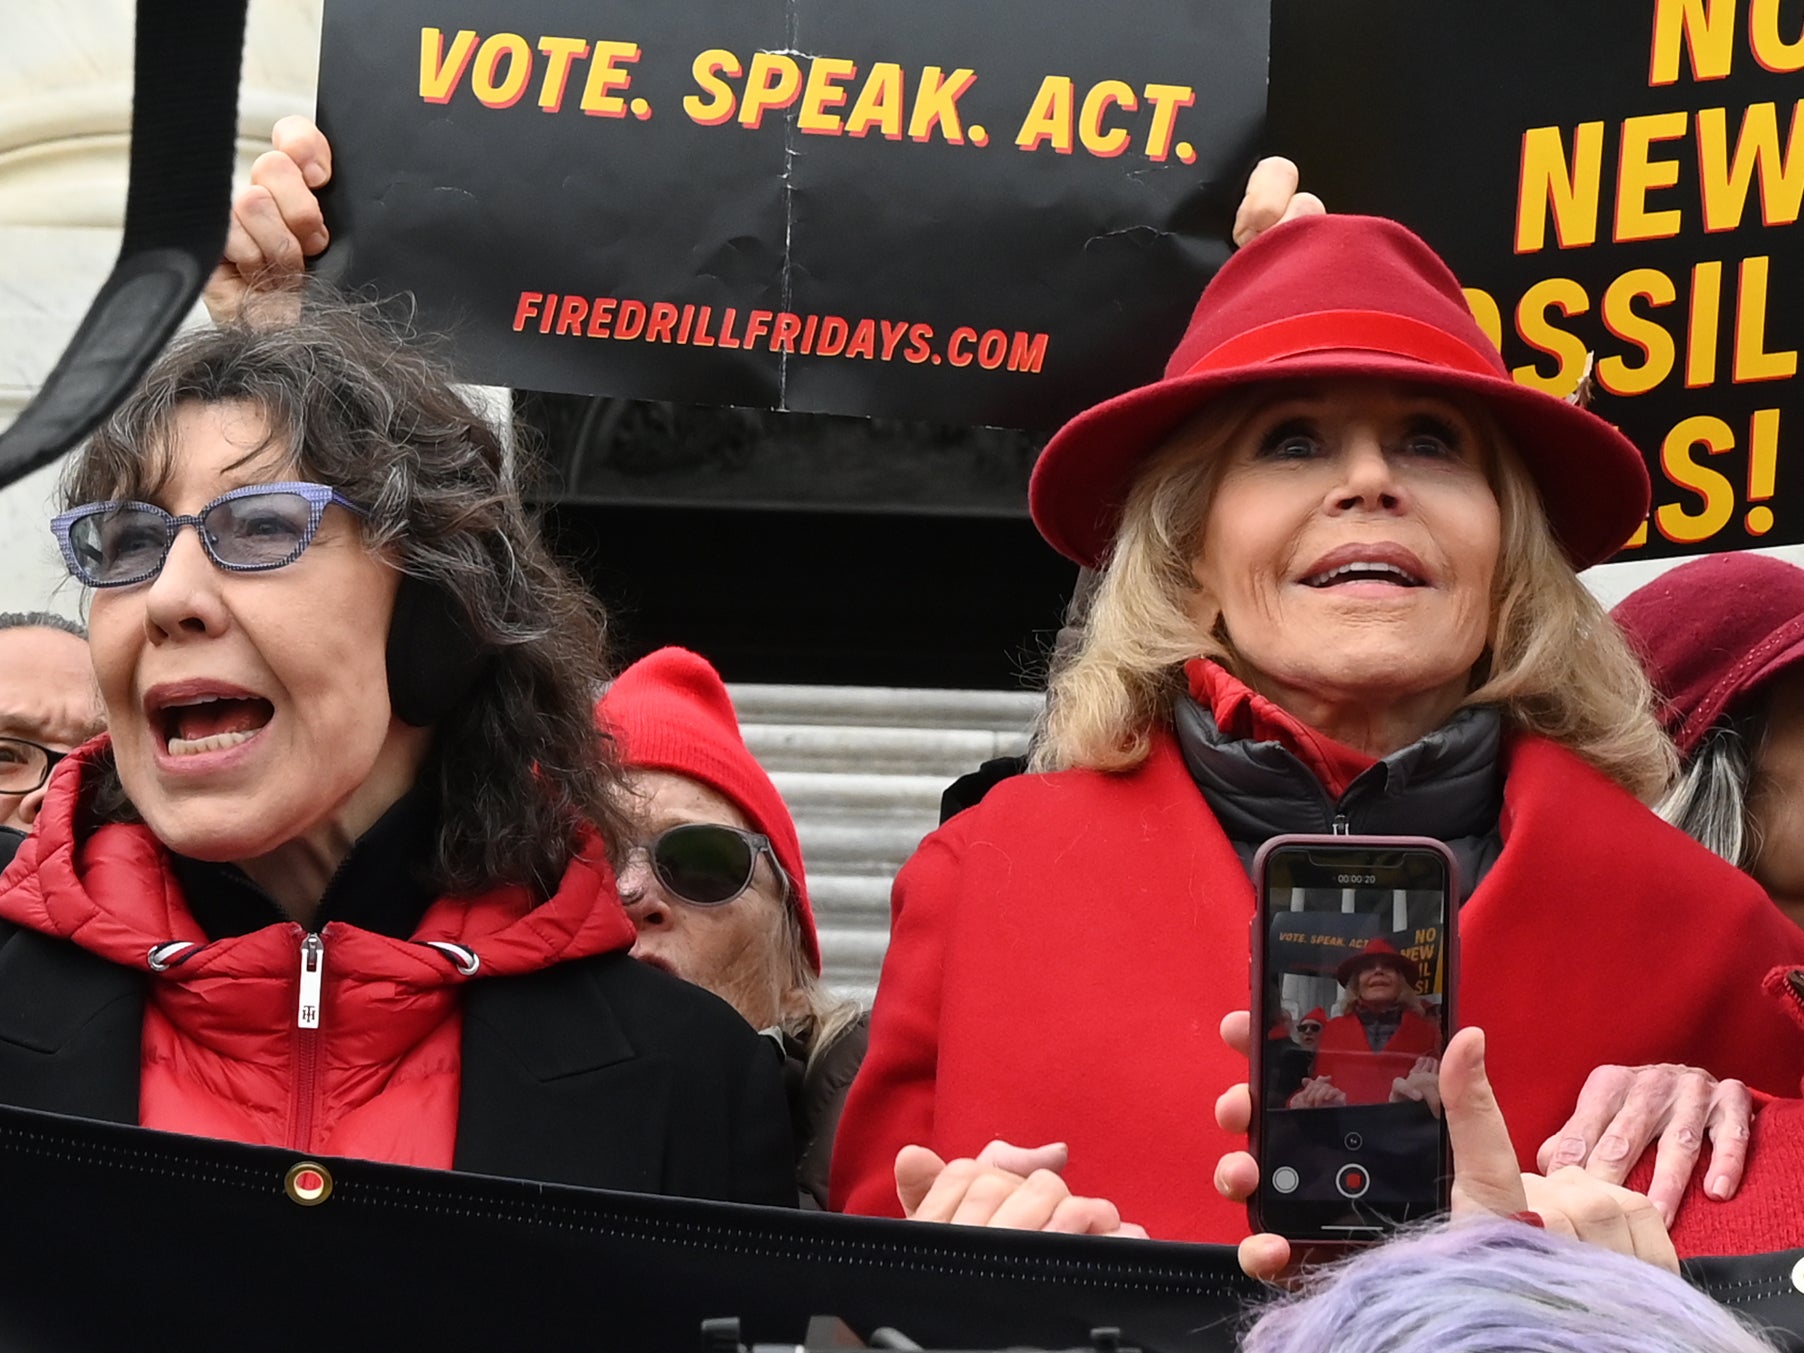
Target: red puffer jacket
{"x": 342, "y": 1043}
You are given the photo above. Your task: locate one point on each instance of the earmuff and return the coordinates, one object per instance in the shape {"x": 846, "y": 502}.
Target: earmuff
{"x": 433, "y": 658}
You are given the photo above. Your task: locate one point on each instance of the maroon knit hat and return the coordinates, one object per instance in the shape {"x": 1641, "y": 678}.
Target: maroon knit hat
{"x": 1376, "y": 954}
{"x": 670, "y": 711}
{"x": 1713, "y": 631}
{"x": 1338, "y": 296}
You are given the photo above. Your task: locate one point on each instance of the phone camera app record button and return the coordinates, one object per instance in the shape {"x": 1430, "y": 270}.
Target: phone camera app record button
{"x": 1285, "y": 1179}
{"x": 1352, "y": 1181}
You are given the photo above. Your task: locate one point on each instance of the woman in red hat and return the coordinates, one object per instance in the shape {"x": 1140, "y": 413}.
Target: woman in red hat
{"x": 1379, "y": 1039}
{"x": 1338, "y": 551}
{"x": 1722, "y": 639}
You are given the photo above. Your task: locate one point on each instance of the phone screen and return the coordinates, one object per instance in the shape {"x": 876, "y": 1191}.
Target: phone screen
{"x": 1355, "y": 964}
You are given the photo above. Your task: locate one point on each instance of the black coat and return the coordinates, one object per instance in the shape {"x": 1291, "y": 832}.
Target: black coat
{"x": 602, "y": 1072}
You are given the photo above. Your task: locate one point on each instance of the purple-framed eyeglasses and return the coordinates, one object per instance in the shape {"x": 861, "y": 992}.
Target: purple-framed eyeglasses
{"x": 249, "y": 530}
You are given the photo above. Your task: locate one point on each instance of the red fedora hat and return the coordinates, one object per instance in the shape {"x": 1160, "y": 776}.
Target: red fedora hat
{"x": 1376, "y": 954}
{"x": 1325, "y": 297}
{"x": 1711, "y": 633}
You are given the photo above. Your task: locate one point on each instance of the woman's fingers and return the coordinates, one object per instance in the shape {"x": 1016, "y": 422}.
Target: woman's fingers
{"x": 274, "y": 257}
{"x": 1729, "y": 1127}
{"x": 1264, "y": 1256}
{"x": 1237, "y": 1031}
{"x": 297, "y": 210}
{"x": 1680, "y": 1144}
{"x": 975, "y": 1192}
{"x": 1271, "y": 188}
{"x": 258, "y": 251}
{"x": 1573, "y": 1202}
{"x": 1237, "y": 1176}
{"x": 1605, "y": 1091}
{"x": 1623, "y": 1109}
{"x": 1486, "y": 1177}
{"x": 1234, "y": 1109}
{"x": 302, "y": 141}
{"x": 917, "y": 1169}
{"x": 1030, "y": 1204}
{"x": 276, "y": 225}
{"x": 1024, "y": 1160}
{"x": 947, "y": 1196}
{"x": 1303, "y": 204}
{"x": 1075, "y": 1216}
{"x": 1315, "y": 1093}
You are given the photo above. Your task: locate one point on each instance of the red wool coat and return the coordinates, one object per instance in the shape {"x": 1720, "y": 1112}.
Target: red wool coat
{"x": 1344, "y": 1055}
{"x": 1063, "y": 953}
{"x": 1767, "y": 1212}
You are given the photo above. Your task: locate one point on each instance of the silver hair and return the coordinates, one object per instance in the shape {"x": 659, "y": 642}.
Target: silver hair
{"x": 1709, "y": 802}
{"x": 811, "y": 1013}
{"x": 42, "y": 620}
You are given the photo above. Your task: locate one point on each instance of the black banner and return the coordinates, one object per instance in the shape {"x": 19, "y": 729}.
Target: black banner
{"x": 1619, "y": 178}
{"x": 946, "y": 210}
{"x": 119, "y": 1237}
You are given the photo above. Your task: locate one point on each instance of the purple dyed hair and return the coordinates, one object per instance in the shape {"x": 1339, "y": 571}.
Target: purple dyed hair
{"x": 1496, "y": 1286}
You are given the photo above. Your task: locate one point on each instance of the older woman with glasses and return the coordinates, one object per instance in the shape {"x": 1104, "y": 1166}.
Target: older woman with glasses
{"x": 715, "y": 884}
{"x": 340, "y": 878}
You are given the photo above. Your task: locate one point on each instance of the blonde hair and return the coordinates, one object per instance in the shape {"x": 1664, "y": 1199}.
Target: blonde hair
{"x": 1557, "y": 666}
{"x": 809, "y": 1011}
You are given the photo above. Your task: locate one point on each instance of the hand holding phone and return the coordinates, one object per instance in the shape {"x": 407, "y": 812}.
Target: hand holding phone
{"x": 1354, "y": 970}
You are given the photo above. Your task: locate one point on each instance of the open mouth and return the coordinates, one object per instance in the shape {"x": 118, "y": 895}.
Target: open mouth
{"x": 212, "y": 723}
{"x": 1364, "y": 571}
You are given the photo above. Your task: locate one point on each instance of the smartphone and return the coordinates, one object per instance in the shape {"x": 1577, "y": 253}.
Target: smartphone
{"x": 1355, "y": 963}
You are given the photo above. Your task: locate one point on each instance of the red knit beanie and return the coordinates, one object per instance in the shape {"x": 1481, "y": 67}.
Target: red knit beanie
{"x": 1712, "y": 632}
{"x": 669, "y": 711}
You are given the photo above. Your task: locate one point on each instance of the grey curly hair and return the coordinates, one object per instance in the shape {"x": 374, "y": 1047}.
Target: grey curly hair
{"x": 350, "y": 400}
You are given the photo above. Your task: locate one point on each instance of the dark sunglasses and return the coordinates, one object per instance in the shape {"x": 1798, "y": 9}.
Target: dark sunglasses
{"x": 707, "y": 863}
{"x": 1309, "y": 1028}
{"x": 258, "y": 527}
{"x": 25, "y": 765}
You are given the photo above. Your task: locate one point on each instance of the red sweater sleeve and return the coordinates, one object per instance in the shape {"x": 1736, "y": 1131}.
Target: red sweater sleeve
{"x": 891, "y": 1102}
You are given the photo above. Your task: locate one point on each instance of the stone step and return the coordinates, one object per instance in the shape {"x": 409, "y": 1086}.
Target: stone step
{"x": 859, "y": 847}
{"x": 862, "y": 770}
{"x": 865, "y": 896}
{"x": 884, "y": 707}
{"x": 943, "y": 752}
{"x": 854, "y": 948}
{"x": 821, "y": 793}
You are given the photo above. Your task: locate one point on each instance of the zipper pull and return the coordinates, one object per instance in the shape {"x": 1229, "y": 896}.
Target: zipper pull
{"x": 1341, "y": 827}
{"x": 313, "y": 964}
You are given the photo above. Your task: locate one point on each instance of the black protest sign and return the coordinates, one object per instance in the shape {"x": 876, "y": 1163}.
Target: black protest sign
{"x": 1619, "y": 179}
{"x": 981, "y": 211}
{"x": 282, "y": 1252}
{"x": 1315, "y": 944}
